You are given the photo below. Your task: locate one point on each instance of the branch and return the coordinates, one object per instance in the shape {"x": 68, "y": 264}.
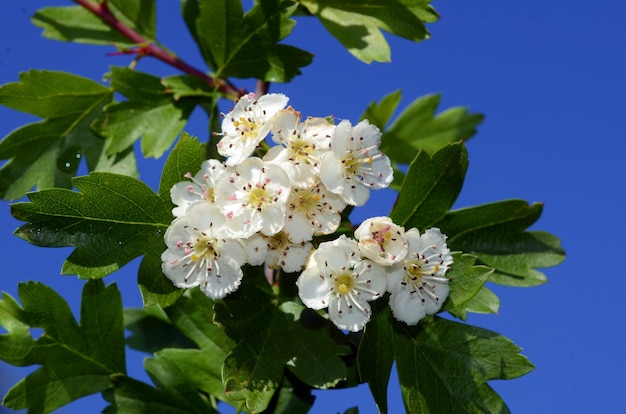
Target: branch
{"x": 147, "y": 48}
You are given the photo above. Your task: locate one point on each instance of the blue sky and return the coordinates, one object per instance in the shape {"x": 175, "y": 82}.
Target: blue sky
{"x": 550, "y": 78}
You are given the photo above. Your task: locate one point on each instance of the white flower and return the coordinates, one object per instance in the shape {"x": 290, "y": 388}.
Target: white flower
{"x": 199, "y": 252}
{"x": 254, "y": 197}
{"x": 337, "y": 278}
{"x": 283, "y": 253}
{"x": 355, "y": 164}
{"x": 381, "y": 240}
{"x": 201, "y": 186}
{"x": 418, "y": 285}
{"x": 247, "y": 125}
{"x": 301, "y": 145}
{"x": 310, "y": 211}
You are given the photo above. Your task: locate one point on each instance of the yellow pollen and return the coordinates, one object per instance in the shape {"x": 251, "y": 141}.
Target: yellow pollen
{"x": 343, "y": 289}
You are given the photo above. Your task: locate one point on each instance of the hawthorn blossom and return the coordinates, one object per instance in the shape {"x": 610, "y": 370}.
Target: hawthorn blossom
{"x": 418, "y": 284}
{"x": 254, "y": 197}
{"x": 337, "y": 278}
{"x": 247, "y": 124}
{"x": 301, "y": 145}
{"x": 313, "y": 210}
{"x": 284, "y": 254}
{"x": 381, "y": 240}
{"x": 355, "y": 165}
{"x": 201, "y": 186}
{"x": 200, "y": 252}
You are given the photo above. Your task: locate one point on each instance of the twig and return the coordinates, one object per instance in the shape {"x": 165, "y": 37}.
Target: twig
{"x": 146, "y": 48}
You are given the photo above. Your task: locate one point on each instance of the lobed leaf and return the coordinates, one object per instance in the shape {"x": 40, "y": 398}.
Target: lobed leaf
{"x": 357, "y": 24}
{"x": 77, "y": 24}
{"x": 443, "y": 366}
{"x": 417, "y": 128}
{"x": 76, "y": 360}
{"x": 270, "y": 338}
{"x": 113, "y": 219}
{"x": 150, "y": 113}
{"x": 47, "y": 153}
{"x": 241, "y": 45}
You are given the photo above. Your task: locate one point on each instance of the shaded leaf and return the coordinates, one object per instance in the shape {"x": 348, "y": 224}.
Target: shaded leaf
{"x": 443, "y": 366}
{"x": 357, "y": 24}
{"x": 496, "y": 234}
{"x": 112, "y": 220}
{"x": 47, "y": 153}
{"x": 269, "y": 338}
{"x": 430, "y": 187}
{"x": 130, "y": 396}
{"x": 76, "y": 360}
{"x": 241, "y": 45}
{"x": 152, "y": 331}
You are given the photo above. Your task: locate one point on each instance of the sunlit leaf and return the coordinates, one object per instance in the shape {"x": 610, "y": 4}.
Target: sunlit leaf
{"x": 77, "y": 24}
{"x": 430, "y": 187}
{"x": 357, "y": 24}
{"x": 111, "y": 220}
{"x": 150, "y": 112}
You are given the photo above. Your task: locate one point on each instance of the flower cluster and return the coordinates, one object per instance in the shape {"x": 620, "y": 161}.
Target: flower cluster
{"x": 267, "y": 211}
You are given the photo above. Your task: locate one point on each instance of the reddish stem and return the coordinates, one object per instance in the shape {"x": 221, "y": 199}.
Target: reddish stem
{"x": 147, "y": 48}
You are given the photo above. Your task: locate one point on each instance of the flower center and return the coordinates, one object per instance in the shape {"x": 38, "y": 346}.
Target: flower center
{"x": 259, "y": 197}
{"x": 300, "y": 149}
{"x": 352, "y": 164}
{"x": 306, "y": 201}
{"x": 344, "y": 283}
{"x": 204, "y": 248}
{"x": 277, "y": 241}
{"x": 246, "y": 126}
{"x": 416, "y": 270}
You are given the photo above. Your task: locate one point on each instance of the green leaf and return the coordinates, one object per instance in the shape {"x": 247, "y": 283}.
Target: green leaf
{"x": 130, "y": 396}
{"x": 76, "y": 360}
{"x": 186, "y": 86}
{"x": 467, "y": 280}
{"x": 149, "y": 113}
{"x": 417, "y": 128}
{"x": 77, "y": 24}
{"x": 431, "y": 186}
{"x": 270, "y": 338}
{"x": 155, "y": 287}
{"x": 112, "y": 220}
{"x": 485, "y": 301}
{"x": 496, "y": 234}
{"x": 152, "y": 331}
{"x": 375, "y": 361}
{"x": 379, "y": 113}
{"x": 357, "y": 24}
{"x": 47, "y": 153}
{"x": 246, "y": 46}
{"x": 443, "y": 366}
